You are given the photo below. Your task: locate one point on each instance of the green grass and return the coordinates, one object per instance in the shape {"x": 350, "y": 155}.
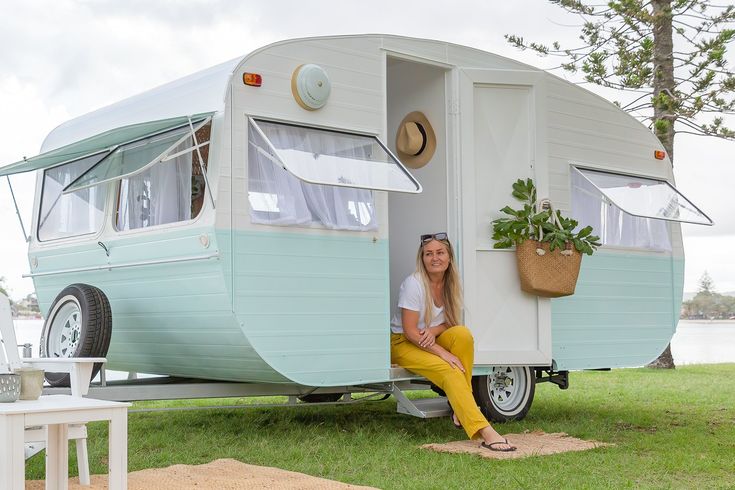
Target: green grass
{"x": 671, "y": 429}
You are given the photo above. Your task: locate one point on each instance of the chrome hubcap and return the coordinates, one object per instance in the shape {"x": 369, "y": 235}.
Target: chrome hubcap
{"x": 507, "y": 386}
{"x": 66, "y": 329}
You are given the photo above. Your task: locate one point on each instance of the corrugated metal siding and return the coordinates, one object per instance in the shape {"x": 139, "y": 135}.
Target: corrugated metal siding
{"x": 315, "y": 307}
{"x": 169, "y": 318}
{"x": 623, "y": 313}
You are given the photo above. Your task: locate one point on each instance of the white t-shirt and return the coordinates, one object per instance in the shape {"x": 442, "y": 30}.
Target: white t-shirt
{"x": 412, "y": 297}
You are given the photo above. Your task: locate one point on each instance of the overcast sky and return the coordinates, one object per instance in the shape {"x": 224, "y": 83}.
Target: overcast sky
{"x": 63, "y": 58}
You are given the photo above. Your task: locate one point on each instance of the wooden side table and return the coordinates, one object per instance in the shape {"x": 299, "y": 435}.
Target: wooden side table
{"x": 56, "y": 412}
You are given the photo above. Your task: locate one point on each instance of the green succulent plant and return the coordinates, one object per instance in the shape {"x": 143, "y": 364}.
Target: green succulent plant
{"x": 528, "y": 224}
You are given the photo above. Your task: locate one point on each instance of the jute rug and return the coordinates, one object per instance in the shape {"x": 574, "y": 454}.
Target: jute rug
{"x": 535, "y": 443}
{"x": 221, "y": 474}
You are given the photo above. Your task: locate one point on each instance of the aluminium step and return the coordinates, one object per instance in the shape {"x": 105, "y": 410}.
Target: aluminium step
{"x": 424, "y": 408}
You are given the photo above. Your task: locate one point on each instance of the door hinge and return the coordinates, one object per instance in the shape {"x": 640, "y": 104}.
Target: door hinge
{"x": 453, "y": 106}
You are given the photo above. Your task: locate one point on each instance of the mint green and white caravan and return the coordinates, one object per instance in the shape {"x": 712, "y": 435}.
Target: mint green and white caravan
{"x": 252, "y": 222}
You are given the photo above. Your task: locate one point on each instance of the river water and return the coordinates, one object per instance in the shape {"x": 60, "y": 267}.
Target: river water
{"x": 695, "y": 342}
{"x": 703, "y": 342}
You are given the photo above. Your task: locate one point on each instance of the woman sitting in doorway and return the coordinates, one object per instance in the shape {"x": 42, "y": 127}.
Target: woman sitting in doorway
{"x": 438, "y": 348}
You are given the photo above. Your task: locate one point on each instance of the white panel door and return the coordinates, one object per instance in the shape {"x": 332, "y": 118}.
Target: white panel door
{"x": 503, "y": 139}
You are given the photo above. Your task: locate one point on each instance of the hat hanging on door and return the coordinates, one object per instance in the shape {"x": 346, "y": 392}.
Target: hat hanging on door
{"x": 415, "y": 140}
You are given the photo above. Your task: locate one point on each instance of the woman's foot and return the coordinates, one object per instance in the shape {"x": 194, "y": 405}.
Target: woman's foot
{"x": 455, "y": 420}
{"x": 500, "y": 446}
{"x": 495, "y": 442}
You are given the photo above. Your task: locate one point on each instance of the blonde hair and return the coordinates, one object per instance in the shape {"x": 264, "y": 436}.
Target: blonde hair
{"x": 452, "y": 288}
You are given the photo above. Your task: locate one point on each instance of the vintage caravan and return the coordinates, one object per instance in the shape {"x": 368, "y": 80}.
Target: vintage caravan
{"x": 252, "y": 222}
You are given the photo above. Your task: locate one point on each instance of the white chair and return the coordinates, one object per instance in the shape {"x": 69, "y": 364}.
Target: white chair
{"x": 80, "y": 372}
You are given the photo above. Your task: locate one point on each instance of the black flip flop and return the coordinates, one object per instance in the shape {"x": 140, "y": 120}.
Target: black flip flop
{"x": 503, "y": 450}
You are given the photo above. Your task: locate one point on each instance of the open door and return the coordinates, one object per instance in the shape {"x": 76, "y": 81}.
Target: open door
{"x": 503, "y": 139}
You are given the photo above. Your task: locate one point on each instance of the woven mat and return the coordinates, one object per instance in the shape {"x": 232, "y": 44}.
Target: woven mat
{"x": 535, "y": 443}
{"x": 221, "y": 474}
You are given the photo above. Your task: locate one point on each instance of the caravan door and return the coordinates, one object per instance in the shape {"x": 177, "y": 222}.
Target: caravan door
{"x": 502, "y": 117}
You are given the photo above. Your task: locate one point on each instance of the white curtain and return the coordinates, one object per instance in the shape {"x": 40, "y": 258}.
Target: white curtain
{"x": 611, "y": 224}
{"x": 161, "y": 194}
{"x": 75, "y": 213}
{"x": 278, "y": 198}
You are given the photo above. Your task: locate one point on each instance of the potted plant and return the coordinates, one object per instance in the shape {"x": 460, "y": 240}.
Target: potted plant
{"x": 548, "y": 249}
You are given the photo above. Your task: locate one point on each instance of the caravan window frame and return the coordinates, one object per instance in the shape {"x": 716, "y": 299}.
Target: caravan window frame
{"x": 618, "y": 228}
{"x": 40, "y": 218}
{"x": 164, "y": 159}
{"x": 283, "y": 162}
{"x": 580, "y": 168}
{"x": 358, "y": 214}
{"x": 193, "y": 126}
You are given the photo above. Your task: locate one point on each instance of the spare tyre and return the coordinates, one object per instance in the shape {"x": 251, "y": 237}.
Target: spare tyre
{"x": 79, "y": 324}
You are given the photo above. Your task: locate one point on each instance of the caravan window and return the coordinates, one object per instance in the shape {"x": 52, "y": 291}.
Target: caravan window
{"x": 321, "y": 156}
{"x": 279, "y": 198}
{"x": 645, "y": 197}
{"x": 76, "y": 213}
{"x": 629, "y": 211}
{"x": 170, "y": 191}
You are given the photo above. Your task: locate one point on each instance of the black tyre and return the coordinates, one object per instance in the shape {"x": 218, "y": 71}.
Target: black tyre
{"x": 321, "y": 397}
{"x": 505, "y": 394}
{"x": 79, "y": 324}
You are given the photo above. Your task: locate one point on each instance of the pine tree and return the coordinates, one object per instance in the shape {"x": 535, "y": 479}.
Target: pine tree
{"x": 706, "y": 284}
{"x": 670, "y": 53}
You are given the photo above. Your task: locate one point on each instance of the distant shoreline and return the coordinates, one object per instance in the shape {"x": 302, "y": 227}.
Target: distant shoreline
{"x": 709, "y": 322}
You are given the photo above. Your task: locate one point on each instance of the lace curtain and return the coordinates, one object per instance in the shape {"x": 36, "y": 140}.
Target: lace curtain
{"x": 278, "y": 198}
{"x": 614, "y": 226}
{"x": 161, "y": 194}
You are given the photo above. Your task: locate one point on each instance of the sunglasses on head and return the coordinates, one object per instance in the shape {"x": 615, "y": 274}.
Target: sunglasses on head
{"x": 434, "y": 236}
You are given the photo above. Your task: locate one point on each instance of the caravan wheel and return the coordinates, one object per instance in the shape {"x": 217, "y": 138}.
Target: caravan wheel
{"x": 505, "y": 394}
{"x": 79, "y": 324}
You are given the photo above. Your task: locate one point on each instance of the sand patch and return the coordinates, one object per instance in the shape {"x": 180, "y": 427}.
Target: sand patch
{"x": 537, "y": 443}
{"x": 221, "y": 474}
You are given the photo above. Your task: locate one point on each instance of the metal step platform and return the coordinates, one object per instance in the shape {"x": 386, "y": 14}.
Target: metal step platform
{"x": 424, "y": 408}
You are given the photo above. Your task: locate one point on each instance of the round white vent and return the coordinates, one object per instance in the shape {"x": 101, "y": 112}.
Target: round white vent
{"x": 310, "y": 86}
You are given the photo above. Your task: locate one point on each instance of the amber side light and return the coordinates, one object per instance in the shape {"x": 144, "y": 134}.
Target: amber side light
{"x": 252, "y": 79}
{"x": 659, "y": 154}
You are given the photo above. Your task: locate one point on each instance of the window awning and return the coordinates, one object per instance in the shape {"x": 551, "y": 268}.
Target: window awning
{"x": 645, "y": 197}
{"x": 321, "y": 156}
{"x": 103, "y": 142}
{"x": 134, "y": 157}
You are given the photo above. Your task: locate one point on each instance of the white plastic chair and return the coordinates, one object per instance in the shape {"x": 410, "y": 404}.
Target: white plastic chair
{"x": 80, "y": 373}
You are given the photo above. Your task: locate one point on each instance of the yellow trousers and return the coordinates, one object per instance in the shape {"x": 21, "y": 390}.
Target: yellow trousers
{"x": 457, "y": 385}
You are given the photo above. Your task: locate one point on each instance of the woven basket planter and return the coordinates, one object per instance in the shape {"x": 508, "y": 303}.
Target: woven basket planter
{"x": 551, "y": 274}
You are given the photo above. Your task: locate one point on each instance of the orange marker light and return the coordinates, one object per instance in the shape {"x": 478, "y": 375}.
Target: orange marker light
{"x": 659, "y": 154}
{"x": 252, "y": 79}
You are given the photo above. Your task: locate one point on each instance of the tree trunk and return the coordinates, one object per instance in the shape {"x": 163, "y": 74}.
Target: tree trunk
{"x": 664, "y": 104}
{"x": 664, "y": 361}
{"x": 664, "y": 87}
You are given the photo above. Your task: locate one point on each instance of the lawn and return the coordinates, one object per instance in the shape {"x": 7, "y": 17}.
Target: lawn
{"x": 671, "y": 429}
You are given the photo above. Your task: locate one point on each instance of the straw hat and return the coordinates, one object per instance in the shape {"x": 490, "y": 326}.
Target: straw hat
{"x": 415, "y": 140}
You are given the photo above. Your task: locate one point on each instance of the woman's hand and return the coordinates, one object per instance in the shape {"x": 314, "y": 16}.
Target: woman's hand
{"x": 427, "y": 338}
{"x": 452, "y": 360}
